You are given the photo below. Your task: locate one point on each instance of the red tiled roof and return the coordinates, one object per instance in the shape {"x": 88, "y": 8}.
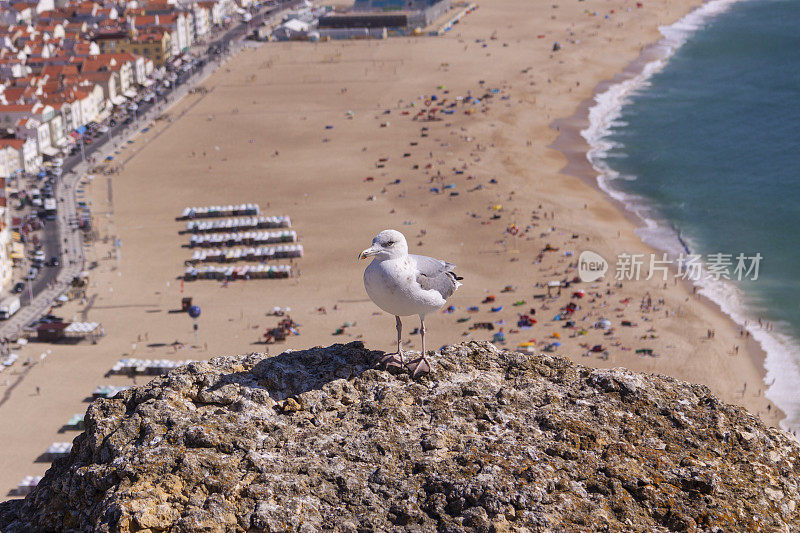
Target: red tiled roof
{"x": 123, "y": 57}
{"x": 55, "y": 103}
{"x": 12, "y": 94}
{"x": 96, "y": 76}
{"x": 149, "y": 37}
{"x": 83, "y": 48}
{"x": 169, "y": 18}
{"x": 145, "y": 20}
{"x": 13, "y": 143}
{"x": 17, "y": 108}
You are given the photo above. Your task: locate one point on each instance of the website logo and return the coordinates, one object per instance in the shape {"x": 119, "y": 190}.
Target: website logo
{"x": 591, "y": 266}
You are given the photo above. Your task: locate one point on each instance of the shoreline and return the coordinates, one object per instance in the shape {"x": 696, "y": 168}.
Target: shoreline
{"x": 576, "y": 148}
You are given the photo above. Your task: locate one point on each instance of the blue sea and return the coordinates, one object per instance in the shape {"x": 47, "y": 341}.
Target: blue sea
{"x": 704, "y": 145}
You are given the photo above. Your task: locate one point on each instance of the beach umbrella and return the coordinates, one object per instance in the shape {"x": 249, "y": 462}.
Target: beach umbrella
{"x": 194, "y": 312}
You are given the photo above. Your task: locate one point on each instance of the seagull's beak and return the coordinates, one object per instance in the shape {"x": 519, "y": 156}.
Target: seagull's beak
{"x": 372, "y": 250}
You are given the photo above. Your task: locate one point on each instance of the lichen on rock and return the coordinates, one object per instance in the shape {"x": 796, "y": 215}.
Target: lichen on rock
{"x": 491, "y": 440}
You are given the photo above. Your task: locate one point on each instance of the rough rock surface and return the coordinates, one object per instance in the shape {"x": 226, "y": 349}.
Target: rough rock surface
{"x": 319, "y": 440}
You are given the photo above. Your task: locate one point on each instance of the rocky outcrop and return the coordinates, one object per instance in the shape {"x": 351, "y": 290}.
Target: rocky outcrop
{"x": 320, "y": 440}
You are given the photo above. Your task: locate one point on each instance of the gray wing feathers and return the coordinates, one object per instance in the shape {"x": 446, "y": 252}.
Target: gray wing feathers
{"x": 436, "y": 275}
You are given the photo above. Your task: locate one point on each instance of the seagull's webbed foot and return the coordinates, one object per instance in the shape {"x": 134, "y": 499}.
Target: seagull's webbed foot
{"x": 419, "y": 365}
{"x": 393, "y": 359}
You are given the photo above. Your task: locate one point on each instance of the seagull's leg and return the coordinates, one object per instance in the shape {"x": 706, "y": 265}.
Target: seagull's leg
{"x": 420, "y": 364}
{"x": 395, "y": 359}
{"x": 422, "y": 334}
{"x": 399, "y": 347}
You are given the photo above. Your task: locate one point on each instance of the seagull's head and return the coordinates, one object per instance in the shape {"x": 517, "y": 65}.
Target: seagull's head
{"x": 388, "y": 244}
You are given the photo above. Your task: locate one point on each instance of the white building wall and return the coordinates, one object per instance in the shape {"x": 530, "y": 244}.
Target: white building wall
{"x": 32, "y": 160}
{"x": 202, "y": 22}
{"x": 6, "y": 263}
{"x": 43, "y": 137}
{"x": 56, "y": 130}
{"x": 76, "y": 115}
{"x": 44, "y": 5}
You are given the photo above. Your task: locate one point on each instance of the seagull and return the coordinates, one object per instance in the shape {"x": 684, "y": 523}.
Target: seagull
{"x": 404, "y": 284}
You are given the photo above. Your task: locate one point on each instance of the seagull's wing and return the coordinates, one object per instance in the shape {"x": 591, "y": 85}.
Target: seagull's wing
{"x": 435, "y": 274}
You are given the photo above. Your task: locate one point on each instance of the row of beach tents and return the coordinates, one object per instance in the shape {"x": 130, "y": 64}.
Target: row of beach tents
{"x": 228, "y": 224}
{"x": 216, "y": 211}
{"x": 227, "y": 273}
{"x": 240, "y": 238}
{"x": 107, "y": 391}
{"x": 27, "y": 484}
{"x": 131, "y": 365}
{"x": 261, "y": 253}
{"x": 58, "y": 449}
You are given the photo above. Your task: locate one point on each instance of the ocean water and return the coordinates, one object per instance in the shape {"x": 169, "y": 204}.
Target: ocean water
{"x": 704, "y": 145}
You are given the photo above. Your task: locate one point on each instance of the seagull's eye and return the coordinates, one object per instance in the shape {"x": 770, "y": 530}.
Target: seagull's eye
{"x": 390, "y": 243}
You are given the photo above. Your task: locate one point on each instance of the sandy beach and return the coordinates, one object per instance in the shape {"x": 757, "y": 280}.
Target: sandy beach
{"x": 326, "y": 134}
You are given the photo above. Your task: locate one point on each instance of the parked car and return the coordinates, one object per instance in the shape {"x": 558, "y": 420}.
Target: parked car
{"x": 18, "y": 288}
{"x": 32, "y": 273}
